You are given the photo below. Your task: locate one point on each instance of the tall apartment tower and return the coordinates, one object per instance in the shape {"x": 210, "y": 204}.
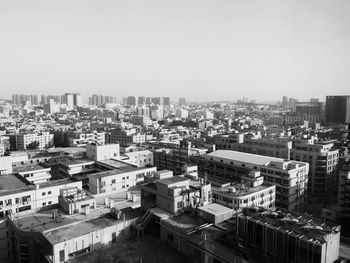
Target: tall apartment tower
{"x": 284, "y": 101}
{"x": 141, "y": 100}
{"x": 77, "y": 100}
{"x": 131, "y": 101}
{"x": 182, "y": 101}
{"x": 166, "y": 101}
{"x": 338, "y": 109}
{"x": 323, "y": 161}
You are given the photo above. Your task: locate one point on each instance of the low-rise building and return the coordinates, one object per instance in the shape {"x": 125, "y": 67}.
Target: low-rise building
{"x": 231, "y": 166}
{"x": 99, "y": 152}
{"x": 286, "y": 236}
{"x": 34, "y": 173}
{"x": 117, "y": 180}
{"x": 38, "y": 141}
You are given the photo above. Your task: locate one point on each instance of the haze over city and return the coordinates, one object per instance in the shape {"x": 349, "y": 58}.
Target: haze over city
{"x": 202, "y": 50}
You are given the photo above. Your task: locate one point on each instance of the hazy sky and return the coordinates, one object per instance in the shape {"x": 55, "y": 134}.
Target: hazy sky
{"x": 199, "y": 49}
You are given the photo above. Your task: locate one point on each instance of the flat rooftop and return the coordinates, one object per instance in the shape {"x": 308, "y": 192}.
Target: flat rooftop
{"x": 77, "y": 162}
{"x": 69, "y": 150}
{"x": 115, "y": 164}
{"x": 57, "y": 182}
{"x": 215, "y": 209}
{"x": 300, "y": 225}
{"x": 70, "y": 226}
{"x": 123, "y": 169}
{"x": 10, "y": 184}
{"x": 84, "y": 227}
{"x": 172, "y": 180}
{"x": 28, "y": 168}
{"x": 243, "y": 157}
{"x": 239, "y": 190}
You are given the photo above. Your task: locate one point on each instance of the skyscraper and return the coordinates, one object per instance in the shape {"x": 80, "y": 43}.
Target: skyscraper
{"x": 141, "y": 100}
{"x": 131, "y": 101}
{"x": 77, "y": 100}
{"x": 285, "y": 101}
{"x": 166, "y": 101}
{"x": 69, "y": 100}
{"x": 182, "y": 101}
{"x": 338, "y": 109}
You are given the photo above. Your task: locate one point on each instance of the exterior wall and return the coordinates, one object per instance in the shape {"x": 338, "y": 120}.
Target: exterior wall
{"x": 141, "y": 158}
{"x": 79, "y": 139}
{"x": 91, "y": 241}
{"x": 45, "y": 139}
{"x": 344, "y": 192}
{"x": 37, "y": 176}
{"x": 265, "y": 198}
{"x": 291, "y": 180}
{"x": 5, "y": 165}
{"x": 117, "y": 182}
{"x": 285, "y": 246}
{"x": 291, "y": 185}
{"x": 323, "y": 161}
{"x": 102, "y": 152}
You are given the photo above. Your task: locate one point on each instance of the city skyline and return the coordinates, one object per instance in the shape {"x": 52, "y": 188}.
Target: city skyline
{"x": 203, "y": 51}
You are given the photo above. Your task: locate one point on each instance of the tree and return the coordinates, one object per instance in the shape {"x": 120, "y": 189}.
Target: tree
{"x": 33, "y": 145}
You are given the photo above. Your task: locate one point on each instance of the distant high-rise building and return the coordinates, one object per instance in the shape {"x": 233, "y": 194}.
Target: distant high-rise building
{"x": 43, "y": 99}
{"x": 182, "y": 101}
{"x": 157, "y": 101}
{"x": 314, "y": 100}
{"x": 292, "y": 102}
{"x": 16, "y": 99}
{"x": 166, "y": 101}
{"x": 148, "y": 100}
{"x": 77, "y": 100}
{"x": 310, "y": 111}
{"x": 131, "y": 101}
{"x": 141, "y": 100}
{"x": 338, "y": 109}
{"x": 69, "y": 100}
{"x": 285, "y": 101}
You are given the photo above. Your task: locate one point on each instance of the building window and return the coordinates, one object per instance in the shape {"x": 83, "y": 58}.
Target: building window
{"x": 113, "y": 181}
{"x": 49, "y": 192}
{"x": 43, "y": 193}
{"x": 44, "y": 204}
{"x": 50, "y": 202}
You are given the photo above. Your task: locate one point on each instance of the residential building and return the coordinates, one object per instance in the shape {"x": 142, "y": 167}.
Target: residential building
{"x": 290, "y": 177}
{"x": 139, "y": 158}
{"x": 127, "y": 136}
{"x": 286, "y": 236}
{"x": 81, "y": 139}
{"x": 98, "y": 152}
{"x": 38, "y": 141}
{"x": 33, "y": 173}
{"x": 118, "y": 180}
{"x": 338, "y": 109}
{"x": 323, "y": 160}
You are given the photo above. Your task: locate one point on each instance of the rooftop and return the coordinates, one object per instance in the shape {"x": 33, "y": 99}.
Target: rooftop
{"x": 174, "y": 179}
{"x": 300, "y": 225}
{"x": 84, "y": 227}
{"x": 10, "y": 184}
{"x": 122, "y": 169}
{"x": 28, "y": 168}
{"x": 243, "y": 157}
{"x": 66, "y": 227}
{"x": 77, "y": 162}
{"x": 115, "y": 164}
{"x": 57, "y": 182}
{"x": 215, "y": 209}
{"x": 240, "y": 189}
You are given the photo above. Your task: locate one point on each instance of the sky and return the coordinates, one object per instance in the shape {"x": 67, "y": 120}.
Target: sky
{"x": 203, "y": 50}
